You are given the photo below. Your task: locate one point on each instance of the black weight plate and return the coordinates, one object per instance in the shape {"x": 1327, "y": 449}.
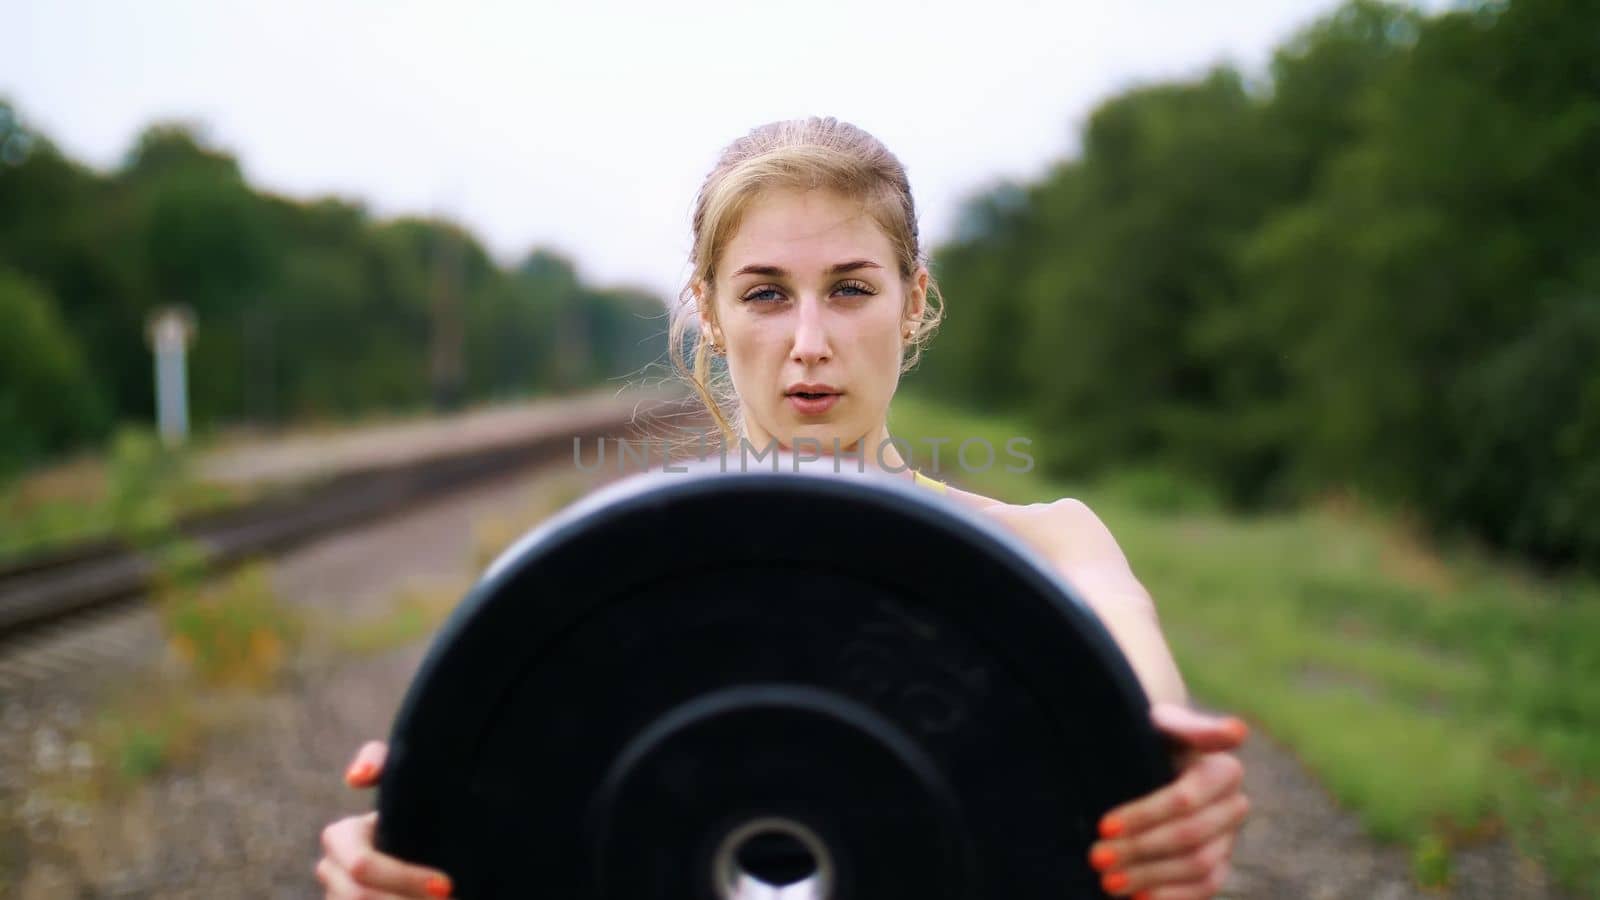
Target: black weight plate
{"x": 681, "y": 654}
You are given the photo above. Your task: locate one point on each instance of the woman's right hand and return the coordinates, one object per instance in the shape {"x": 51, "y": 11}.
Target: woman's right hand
{"x": 351, "y": 867}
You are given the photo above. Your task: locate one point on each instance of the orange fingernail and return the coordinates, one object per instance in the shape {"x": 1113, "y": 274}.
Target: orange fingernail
{"x": 1110, "y": 827}
{"x": 1142, "y": 895}
{"x": 361, "y": 771}
{"x": 438, "y": 886}
{"x": 1238, "y": 728}
{"x": 1114, "y": 882}
{"x": 1102, "y": 858}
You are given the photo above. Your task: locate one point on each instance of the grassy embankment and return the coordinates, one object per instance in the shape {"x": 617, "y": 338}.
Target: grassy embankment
{"x": 88, "y": 496}
{"x": 1442, "y": 695}
{"x": 103, "y": 496}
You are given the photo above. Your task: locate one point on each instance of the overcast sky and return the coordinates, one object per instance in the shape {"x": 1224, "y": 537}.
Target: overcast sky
{"x": 587, "y": 126}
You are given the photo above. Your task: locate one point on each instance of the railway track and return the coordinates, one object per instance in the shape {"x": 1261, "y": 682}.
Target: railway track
{"x": 53, "y": 587}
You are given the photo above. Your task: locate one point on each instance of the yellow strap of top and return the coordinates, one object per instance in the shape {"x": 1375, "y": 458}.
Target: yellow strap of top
{"x": 925, "y": 481}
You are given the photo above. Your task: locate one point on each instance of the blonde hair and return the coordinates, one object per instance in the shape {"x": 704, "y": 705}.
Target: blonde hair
{"x": 802, "y": 154}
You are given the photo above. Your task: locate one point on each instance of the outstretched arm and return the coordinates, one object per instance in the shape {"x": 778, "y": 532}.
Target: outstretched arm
{"x": 1089, "y": 558}
{"x": 1177, "y": 842}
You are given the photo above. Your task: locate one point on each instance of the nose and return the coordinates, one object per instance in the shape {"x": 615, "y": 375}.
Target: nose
{"x": 811, "y": 334}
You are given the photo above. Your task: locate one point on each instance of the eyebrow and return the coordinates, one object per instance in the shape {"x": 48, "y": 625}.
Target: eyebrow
{"x": 837, "y": 269}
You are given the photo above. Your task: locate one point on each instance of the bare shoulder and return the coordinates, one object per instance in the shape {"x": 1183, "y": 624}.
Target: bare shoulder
{"x": 1073, "y": 539}
{"x": 1066, "y": 530}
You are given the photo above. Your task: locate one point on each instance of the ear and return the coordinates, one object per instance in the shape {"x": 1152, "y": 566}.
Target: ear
{"x": 702, "y": 306}
{"x": 917, "y": 300}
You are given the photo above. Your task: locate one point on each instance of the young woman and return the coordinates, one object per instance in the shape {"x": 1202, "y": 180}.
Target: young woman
{"x": 810, "y": 283}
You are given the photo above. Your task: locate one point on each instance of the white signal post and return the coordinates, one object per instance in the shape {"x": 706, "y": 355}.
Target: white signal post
{"x": 170, "y": 330}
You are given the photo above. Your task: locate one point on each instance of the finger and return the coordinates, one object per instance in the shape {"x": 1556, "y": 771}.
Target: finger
{"x": 1194, "y": 730}
{"x": 339, "y": 885}
{"x": 1183, "y": 836}
{"x": 1193, "y": 866}
{"x": 367, "y": 765}
{"x": 1208, "y": 777}
{"x": 1205, "y": 889}
{"x": 348, "y": 842}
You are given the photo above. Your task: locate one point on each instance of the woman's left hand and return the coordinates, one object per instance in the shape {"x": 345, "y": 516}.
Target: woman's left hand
{"x": 1176, "y": 843}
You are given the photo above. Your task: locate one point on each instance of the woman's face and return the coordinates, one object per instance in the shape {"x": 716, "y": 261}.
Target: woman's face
{"x": 809, "y": 299}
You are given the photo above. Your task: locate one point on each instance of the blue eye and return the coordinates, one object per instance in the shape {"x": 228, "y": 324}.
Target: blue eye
{"x": 861, "y": 290}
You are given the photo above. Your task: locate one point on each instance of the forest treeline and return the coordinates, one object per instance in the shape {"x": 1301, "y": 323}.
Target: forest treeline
{"x": 304, "y": 309}
{"x": 1375, "y": 266}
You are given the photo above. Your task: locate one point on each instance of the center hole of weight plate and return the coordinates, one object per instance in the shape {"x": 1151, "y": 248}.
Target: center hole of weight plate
{"x": 773, "y": 859}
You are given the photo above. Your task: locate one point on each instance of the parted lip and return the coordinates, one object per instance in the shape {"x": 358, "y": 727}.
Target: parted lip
{"x": 811, "y": 388}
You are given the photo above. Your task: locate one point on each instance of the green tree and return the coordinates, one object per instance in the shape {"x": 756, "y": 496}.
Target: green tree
{"x": 47, "y": 400}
